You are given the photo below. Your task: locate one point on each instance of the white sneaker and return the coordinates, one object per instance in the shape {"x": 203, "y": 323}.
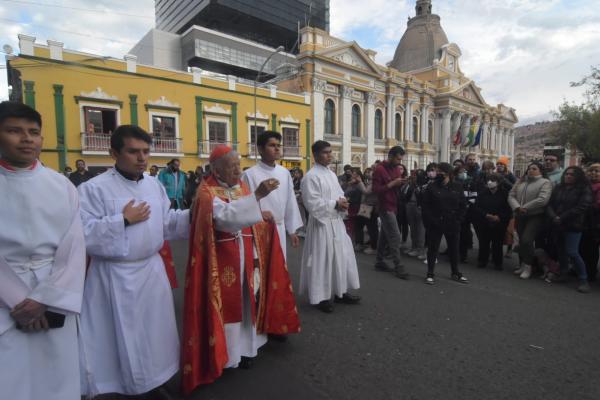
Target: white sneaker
{"x": 526, "y": 274}
{"x": 425, "y": 261}
{"x": 413, "y": 253}
{"x": 422, "y": 255}
{"x": 369, "y": 251}
{"x": 518, "y": 271}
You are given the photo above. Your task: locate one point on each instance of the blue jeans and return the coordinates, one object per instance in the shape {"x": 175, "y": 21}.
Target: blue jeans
{"x": 568, "y": 247}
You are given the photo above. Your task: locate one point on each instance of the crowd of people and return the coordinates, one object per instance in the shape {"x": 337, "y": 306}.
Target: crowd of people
{"x": 86, "y": 306}
{"x": 550, "y": 217}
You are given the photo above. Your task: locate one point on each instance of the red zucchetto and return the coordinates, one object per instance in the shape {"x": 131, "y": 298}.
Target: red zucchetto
{"x": 219, "y": 152}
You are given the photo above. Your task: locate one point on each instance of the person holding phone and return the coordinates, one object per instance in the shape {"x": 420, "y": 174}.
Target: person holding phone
{"x": 42, "y": 266}
{"x": 387, "y": 179}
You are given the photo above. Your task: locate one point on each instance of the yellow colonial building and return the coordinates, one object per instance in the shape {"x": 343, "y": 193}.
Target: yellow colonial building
{"x": 84, "y": 97}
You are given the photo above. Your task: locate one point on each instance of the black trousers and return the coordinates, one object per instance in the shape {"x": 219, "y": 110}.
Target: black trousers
{"x": 434, "y": 238}
{"x": 588, "y": 248}
{"x": 491, "y": 236}
{"x": 466, "y": 237}
{"x": 402, "y": 221}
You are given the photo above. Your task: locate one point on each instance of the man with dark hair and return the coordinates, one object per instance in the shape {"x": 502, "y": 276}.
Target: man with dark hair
{"x": 282, "y": 201}
{"x": 127, "y": 218}
{"x": 81, "y": 173}
{"x": 346, "y": 177}
{"x": 154, "y": 171}
{"x": 328, "y": 261}
{"x": 387, "y": 180}
{"x": 42, "y": 266}
{"x": 552, "y": 167}
{"x": 174, "y": 182}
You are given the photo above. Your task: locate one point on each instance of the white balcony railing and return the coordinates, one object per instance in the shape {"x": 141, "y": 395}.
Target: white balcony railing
{"x": 205, "y": 147}
{"x": 100, "y": 142}
{"x": 95, "y": 142}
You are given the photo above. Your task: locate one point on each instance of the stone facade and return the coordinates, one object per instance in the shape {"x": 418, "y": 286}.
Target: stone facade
{"x": 364, "y": 108}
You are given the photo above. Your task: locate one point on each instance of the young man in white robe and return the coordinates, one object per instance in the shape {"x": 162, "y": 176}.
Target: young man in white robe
{"x": 328, "y": 262}
{"x": 129, "y": 339}
{"x": 282, "y": 201}
{"x": 42, "y": 266}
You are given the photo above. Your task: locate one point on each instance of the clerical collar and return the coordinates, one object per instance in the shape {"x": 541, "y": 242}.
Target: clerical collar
{"x": 128, "y": 176}
{"x": 12, "y": 168}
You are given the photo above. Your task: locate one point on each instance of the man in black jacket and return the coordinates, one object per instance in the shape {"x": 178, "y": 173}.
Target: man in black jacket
{"x": 444, "y": 207}
{"x": 81, "y": 174}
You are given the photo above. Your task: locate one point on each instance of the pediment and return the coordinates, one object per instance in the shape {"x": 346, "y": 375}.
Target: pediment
{"x": 469, "y": 92}
{"x": 351, "y": 54}
{"x": 508, "y": 113}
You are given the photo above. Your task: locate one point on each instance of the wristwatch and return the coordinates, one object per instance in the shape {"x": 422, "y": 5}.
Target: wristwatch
{"x": 126, "y": 222}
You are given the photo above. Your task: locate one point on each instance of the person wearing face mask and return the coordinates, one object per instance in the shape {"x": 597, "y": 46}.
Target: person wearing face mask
{"x": 443, "y": 209}
{"x": 528, "y": 199}
{"x": 491, "y": 216}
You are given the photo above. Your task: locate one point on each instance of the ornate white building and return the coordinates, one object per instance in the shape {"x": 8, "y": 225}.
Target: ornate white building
{"x": 420, "y": 100}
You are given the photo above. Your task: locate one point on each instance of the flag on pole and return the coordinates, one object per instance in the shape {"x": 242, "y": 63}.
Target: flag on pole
{"x": 478, "y": 137}
{"x": 458, "y": 135}
{"x": 471, "y": 136}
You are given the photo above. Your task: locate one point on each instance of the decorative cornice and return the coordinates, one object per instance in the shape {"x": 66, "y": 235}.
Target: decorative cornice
{"x": 319, "y": 85}
{"x": 216, "y": 109}
{"x": 99, "y": 94}
{"x": 163, "y": 102}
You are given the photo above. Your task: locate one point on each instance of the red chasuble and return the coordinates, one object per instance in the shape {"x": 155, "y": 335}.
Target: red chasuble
{"x": 167, "y": 256}
{"x": 213, "y": 295}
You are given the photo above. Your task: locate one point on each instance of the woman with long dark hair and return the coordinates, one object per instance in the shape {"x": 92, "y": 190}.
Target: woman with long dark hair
{"x": 567, "y": 209}
{"x": 528, "y": 199}
{"x": 444, "y": 208}
{"x": 401, "y": 215}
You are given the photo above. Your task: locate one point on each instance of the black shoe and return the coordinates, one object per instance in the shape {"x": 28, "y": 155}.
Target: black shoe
{"x": 347, "y": 298}
{"x": 459, "y": 278}
{"x": 401, "y": 273}
{"x": 325, "y": 306}
{"x": 246, "y": 363}
{"x": 160, "y": 393}
{"x": 382, "y": 267}
{"x": 278, "y": 338}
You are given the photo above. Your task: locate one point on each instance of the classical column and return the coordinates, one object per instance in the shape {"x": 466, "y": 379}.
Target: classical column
{"x": 347, "y": 123}
{"x": 409, "y": 135}
{"x": 464, "y": 133}
{"x": 494, "y": 138}
{"x": 446, "y": 136}
{"x": 424, "y": 124}
{"x": 370, "y": 115}
{"x": 318, "y": 108}
{"x": 390, "y": 117}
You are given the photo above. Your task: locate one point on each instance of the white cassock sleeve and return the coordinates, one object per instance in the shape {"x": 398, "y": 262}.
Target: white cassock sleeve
{"x": 292, "y": 218}
{"x": 104, "y": 234}
{"x": 176, "y": 222}
{"x": 238, "y": 214}
{"x": 63, "y": 288}
{"x": 312, "y": 197}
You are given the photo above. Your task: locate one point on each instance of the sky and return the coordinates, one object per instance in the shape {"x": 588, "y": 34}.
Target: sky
{"x": 521, "y": 53}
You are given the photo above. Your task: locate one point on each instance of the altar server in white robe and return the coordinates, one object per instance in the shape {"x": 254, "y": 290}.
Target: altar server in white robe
{"x": 129, "y": 339}
{"x": 281, "y": 202}
{"x": 42, "y": 266}
{"x": 328, "y": 261}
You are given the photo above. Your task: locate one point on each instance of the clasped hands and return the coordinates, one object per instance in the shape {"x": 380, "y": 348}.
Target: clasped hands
{"x": 29, "y": 314}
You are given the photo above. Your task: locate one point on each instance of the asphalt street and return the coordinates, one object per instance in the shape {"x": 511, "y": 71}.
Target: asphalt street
{"x": 499, "y": 337}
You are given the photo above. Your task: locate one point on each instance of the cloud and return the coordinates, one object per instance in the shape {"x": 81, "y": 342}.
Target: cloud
{"x": 522, "y": 53}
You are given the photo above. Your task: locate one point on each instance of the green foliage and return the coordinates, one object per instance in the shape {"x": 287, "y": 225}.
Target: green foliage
{"x": 579, "y": 124}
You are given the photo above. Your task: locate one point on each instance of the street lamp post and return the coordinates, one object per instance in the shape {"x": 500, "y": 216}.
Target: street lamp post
{"x": 277, "y": 50}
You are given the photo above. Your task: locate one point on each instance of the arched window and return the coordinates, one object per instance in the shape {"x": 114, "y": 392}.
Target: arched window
{"x": 430, "y": 131}
{"x": 378, "y": 124}
{"x": 329, "y": 116}
{"x": 415, "y": 129}
{"x": 356, "y": 121}
{"x": 398, "y": 127}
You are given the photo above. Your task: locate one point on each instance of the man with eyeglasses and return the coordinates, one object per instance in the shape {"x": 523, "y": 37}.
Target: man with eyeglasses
{"x": 553, "y": 169}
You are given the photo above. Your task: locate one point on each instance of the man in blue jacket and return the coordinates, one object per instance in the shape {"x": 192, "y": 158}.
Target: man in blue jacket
{"x": 174, "y": 182}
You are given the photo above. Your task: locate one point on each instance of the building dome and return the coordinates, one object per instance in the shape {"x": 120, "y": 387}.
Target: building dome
{"x": 422, "y": 41}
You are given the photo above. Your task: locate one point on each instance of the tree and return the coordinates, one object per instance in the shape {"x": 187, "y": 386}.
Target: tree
{"x": 578, "y": 125}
